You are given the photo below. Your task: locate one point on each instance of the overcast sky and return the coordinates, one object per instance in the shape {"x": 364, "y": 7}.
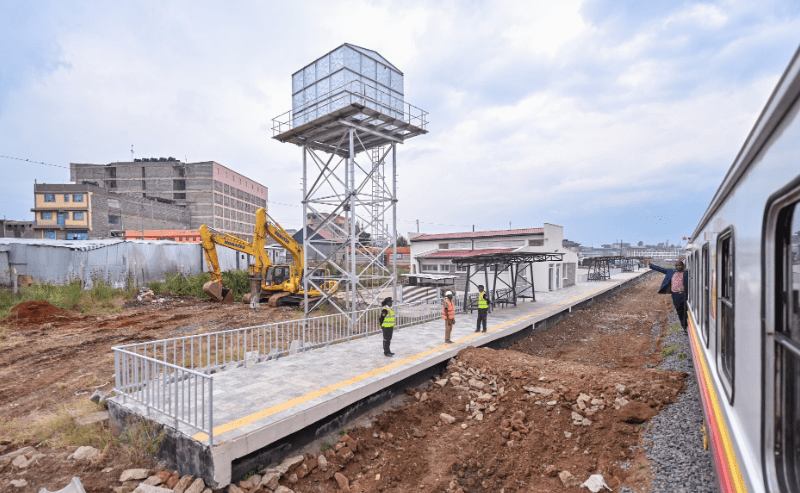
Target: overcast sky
{"x": 615, "y": 119}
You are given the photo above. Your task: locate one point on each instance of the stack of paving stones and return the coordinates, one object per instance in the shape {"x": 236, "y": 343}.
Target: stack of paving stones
{"x": 147, "y": 481}
{"x": 675, "y": 437}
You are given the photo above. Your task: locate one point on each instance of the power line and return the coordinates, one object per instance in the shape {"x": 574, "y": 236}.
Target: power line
{"x": 34, "y": 162}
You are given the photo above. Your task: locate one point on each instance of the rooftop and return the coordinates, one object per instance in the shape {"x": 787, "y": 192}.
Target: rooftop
{"x": 479, "y": 234}
{"x": 463, "y": 253}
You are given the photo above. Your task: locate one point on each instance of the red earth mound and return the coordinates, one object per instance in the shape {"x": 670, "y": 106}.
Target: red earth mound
{"x": 36, "y": 312}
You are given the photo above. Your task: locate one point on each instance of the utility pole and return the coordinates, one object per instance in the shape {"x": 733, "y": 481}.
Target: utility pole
{"x": 131, "y": 152}
{"x": 417, "y": 225}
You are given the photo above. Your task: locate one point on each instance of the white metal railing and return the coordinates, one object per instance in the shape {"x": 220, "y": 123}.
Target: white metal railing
{"x": 185, "y": 396}
{"x": 351, "y": 92}
{"x": 174, "y": 376}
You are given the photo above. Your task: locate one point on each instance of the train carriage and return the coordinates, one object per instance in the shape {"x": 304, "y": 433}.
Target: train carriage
{"x": 744, "y": 306}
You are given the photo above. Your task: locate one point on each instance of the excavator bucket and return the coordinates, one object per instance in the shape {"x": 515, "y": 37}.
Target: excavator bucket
{"x": 215, "y": 290}
{"x": 227, "y": 295}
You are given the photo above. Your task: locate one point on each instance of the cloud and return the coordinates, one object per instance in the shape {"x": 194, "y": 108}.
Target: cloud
{"x": 579, "y": 113}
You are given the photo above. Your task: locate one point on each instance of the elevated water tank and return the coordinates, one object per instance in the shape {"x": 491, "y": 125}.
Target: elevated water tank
{"x": 335, "y": 79}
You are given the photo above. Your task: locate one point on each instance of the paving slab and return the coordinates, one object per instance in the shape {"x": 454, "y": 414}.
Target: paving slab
{"x": 257, "y": 405}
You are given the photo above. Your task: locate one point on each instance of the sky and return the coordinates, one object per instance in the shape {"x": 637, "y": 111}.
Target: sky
{"x": 616, "y": 119}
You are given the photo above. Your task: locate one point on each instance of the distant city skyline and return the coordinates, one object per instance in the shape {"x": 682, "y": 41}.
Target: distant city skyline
{"x": 612, "y": 118}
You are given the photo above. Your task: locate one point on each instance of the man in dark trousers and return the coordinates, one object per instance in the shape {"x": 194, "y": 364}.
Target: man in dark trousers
{"x": 387, "y": 324}
{"x": 676, "y": 282}
{"x": 483, "y": 308}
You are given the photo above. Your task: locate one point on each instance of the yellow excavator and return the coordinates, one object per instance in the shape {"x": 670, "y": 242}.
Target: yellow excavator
{"x": 279, "y": 284}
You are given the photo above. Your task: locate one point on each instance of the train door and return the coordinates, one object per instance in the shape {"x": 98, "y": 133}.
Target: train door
{"x": 782, "y": 345}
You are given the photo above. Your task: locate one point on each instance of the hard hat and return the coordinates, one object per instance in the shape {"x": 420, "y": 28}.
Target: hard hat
{"x": 449, "y": 293}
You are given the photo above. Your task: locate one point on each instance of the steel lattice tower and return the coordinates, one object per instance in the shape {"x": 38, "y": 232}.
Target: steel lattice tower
{"x": 348, "y": 117}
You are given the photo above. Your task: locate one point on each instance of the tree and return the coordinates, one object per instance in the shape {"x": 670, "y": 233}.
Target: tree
{"x": 402, "y": 241}
{"x": 640, "y": 243}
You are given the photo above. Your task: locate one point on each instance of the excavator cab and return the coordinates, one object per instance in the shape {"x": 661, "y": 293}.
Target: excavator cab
{"x": 277, "y": 274}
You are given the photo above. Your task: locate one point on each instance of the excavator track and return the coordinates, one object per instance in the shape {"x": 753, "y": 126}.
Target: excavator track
{"x": 275, "y": 298}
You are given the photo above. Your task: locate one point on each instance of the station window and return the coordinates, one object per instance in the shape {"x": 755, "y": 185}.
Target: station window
{"x": 787, "y": 350}
{"x": 725, "y": 322}
{"x": 66, "y": 197}
{"x": 77, "y": 197}
{"x": 49, "y": 197}
{"x": 78, "y": 216}
{"x": 47, "y": 216}
{"x": 430, "y": 268}
{"x": 114, "y": 219}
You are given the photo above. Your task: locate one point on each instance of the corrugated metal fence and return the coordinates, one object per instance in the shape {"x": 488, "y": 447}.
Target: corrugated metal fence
{"x": 114, "y": 261}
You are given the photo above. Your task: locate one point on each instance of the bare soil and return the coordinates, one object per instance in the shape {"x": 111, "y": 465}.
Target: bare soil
{"x": 598, "y": 363}
{"x": 53, "y": 359}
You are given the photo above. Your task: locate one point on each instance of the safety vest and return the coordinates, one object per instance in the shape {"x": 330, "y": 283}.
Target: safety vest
{"x": 388, "y": 320}
{"x": 482, "y": 303}
{"x": 448, "y": 311}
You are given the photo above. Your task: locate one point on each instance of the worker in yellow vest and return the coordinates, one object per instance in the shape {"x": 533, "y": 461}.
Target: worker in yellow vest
{"x": 449, "y": 316}
{"x": 483, "y": 308}
{"x": 387, "y": 325}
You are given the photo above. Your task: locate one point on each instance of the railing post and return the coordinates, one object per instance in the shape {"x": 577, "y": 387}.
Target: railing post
{"x": 211, "y": 411}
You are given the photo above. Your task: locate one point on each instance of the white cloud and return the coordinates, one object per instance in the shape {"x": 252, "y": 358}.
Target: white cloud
{"x": 536, "y": 112}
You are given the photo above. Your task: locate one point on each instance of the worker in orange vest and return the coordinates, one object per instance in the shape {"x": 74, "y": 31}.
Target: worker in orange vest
{"x": 449, "y": 316}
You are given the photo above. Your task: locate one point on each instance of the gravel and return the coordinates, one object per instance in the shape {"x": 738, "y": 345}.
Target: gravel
{"x": 675, "y": 438}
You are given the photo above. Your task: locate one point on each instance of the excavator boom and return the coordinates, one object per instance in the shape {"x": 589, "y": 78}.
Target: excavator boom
{"x": 281, "y": 282}
{"x": 210, "y": 239}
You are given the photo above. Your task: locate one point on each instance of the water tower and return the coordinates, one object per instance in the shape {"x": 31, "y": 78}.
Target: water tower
{"x": 348, "y": 115}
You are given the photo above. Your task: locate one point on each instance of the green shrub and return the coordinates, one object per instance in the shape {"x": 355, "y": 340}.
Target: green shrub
{"x": 178, "y": 284}
{"x": 238, "y": 281}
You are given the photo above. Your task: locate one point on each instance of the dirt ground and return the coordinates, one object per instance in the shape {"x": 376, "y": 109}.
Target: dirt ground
{"x": 541, "y": 416}
{"x": 575, "y": 398}
{"x": 51, "y": 360}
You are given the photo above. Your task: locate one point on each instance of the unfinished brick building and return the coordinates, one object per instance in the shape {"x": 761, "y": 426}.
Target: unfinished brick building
{"x": 211, "y": 193}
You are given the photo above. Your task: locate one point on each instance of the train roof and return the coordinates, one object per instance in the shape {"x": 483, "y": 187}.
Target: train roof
{"x": 780, "y": 102}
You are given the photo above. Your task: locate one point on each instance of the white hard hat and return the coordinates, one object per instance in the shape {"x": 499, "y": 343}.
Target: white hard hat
{"x": 449, "y": 293}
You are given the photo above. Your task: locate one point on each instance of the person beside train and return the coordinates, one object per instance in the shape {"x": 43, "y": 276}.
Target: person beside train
{"x": 676, "y": 282}
{"x": 387, "y": 325}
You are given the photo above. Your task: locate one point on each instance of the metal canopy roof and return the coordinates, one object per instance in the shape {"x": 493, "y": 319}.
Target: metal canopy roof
{"x": 509, "y": 258}
{"x": 327, "y": 133}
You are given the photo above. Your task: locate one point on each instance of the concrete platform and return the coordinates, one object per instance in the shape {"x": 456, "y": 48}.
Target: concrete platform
{"x": 271, "y": 402}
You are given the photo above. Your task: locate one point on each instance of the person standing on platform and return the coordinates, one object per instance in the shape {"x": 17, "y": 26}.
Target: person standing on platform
{"x": 483, "y": 308}
{"x": 449, "y": 316}
{"x": 676, "y": 282}
{"x": 387, "y": 325}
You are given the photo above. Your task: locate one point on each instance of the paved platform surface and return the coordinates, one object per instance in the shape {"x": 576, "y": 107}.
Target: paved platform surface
{"x": 264, "y": 402}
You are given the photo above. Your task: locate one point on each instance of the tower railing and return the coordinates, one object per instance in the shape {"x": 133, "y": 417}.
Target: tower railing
{"x": 353, "y": 92}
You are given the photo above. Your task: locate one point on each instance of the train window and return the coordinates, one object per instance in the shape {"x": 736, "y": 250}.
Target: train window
{"x": 787, "y": 350}
{"x": 725, "y": 322}
{"x": 706, "y": 293}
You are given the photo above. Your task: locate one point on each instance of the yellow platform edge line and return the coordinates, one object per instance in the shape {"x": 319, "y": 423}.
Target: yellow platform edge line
{"x": 251, "y": 418}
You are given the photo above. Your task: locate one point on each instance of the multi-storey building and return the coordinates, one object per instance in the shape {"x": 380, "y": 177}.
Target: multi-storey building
{"x": 68, "y": 211}
{"x": 211, "y": 193}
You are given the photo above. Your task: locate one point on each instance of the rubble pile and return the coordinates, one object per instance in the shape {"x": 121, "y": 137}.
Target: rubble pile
{"x": 501, "y": 420}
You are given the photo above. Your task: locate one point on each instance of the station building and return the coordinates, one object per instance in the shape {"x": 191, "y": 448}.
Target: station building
{"x": 434, "y": 253}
